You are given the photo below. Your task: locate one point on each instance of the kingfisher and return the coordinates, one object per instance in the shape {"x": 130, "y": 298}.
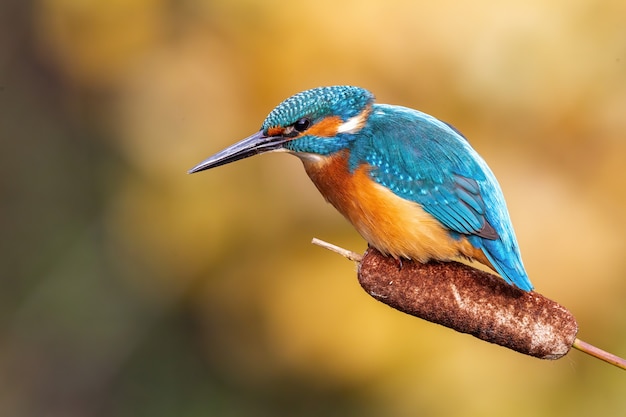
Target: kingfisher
{"x": 410, "y": 184}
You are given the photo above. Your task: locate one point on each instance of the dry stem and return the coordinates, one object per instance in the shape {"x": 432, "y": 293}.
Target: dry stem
{"x": 471, "y": 301}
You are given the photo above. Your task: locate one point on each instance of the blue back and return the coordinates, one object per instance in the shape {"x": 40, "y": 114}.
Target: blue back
{"x": 424, "y": 160}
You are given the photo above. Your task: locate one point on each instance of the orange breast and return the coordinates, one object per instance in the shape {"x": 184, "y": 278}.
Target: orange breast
{"x": 391, "y": 224}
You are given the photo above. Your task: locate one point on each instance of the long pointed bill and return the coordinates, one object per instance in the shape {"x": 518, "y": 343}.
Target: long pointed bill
{"x": 252, "y": 145}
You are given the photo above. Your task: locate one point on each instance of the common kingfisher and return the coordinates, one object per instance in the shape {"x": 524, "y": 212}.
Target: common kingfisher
{"x": 411, "y": 185}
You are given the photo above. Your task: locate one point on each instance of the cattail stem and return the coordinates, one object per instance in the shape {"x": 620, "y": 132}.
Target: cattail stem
{"x": 353, "y": 256}
{"x": 471, "y": 301}
{"x": 599, "y": 353}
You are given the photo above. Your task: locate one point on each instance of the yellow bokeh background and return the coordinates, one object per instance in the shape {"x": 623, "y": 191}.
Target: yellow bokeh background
{"x": 130, "y": 288}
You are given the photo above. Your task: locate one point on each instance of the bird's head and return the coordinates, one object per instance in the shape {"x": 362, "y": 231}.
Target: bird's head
{"x": 320, "y": 121}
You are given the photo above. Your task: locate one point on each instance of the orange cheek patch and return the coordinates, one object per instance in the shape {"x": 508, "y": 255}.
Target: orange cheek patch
{"x": 275, "y": 131}
{"x": 325, "y": 128}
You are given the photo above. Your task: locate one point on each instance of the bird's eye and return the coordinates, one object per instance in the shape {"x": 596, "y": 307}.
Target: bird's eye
{"x": 302, "y": 124}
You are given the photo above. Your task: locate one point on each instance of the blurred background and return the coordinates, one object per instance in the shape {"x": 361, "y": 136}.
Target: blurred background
{"x": 129, "y": 288}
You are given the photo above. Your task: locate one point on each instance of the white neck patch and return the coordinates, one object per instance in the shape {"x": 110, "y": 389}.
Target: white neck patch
{"x": 354, "y": 124}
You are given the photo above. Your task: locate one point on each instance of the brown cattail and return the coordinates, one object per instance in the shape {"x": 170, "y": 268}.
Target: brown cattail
{"x": 471, "y": 301}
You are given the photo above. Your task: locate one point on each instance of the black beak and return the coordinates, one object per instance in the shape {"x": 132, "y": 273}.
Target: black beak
{"x": 252, "y": 145}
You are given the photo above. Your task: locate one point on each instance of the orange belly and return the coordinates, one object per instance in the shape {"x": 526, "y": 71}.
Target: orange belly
{"x": 393, "y": 225}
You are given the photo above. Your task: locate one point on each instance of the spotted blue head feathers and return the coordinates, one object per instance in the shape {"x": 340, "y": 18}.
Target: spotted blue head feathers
{"x": 342, "y": 101}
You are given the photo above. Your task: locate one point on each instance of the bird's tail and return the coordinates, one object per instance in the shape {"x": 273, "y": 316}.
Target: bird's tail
{"x": 507, "y": 263}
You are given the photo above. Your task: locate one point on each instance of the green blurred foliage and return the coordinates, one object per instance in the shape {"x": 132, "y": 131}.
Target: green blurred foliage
{"x": 132, "y": 289}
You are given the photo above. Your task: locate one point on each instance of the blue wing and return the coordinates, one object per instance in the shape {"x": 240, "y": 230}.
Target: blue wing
{"x": 427, "y": 161}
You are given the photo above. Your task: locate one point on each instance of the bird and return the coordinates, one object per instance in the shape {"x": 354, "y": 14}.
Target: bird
{"x": 410, "y": 184}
